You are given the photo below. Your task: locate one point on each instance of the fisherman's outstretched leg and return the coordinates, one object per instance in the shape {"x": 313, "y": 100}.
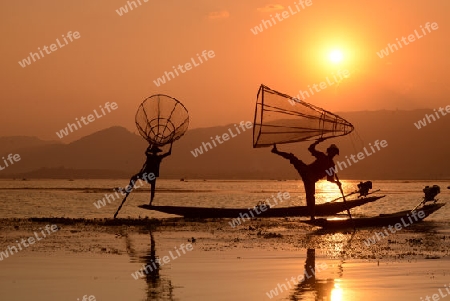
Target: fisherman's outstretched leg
{"x": 128, "y": 191}
{"x": 133, "y": 181}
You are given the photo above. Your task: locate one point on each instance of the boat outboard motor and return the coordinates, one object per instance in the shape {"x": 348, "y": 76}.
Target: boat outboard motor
{"x": 364, "y": 188}
{"x": 431, "y": 193}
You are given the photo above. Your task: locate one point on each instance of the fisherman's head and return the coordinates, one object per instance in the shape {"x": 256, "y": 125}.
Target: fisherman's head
{"x": 332, "y": 151}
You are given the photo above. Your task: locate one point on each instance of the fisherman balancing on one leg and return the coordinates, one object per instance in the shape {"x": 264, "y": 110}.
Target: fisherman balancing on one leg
{"x": 151, "y": 166}
{"x": 149, "y": 172}
{"x": 313, "y": 172}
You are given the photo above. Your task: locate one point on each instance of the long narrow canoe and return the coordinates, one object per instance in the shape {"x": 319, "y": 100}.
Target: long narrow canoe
{"x": 203, "y": 212}
{"x": 404, "y": 218}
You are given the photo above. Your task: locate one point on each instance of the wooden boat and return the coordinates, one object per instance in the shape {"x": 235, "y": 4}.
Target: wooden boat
{"x": 325, "y": 209}
{"x": 404, "y": 218}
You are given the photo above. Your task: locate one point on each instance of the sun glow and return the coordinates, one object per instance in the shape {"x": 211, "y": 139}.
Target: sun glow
{"x": 336, "y": 293}
{"x": 336, "y": 56}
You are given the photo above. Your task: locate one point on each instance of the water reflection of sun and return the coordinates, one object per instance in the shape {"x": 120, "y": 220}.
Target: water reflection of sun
{"x": 336, "y": 292}
{"x": 333, "y": 245}
{"x": 329, "y": 191}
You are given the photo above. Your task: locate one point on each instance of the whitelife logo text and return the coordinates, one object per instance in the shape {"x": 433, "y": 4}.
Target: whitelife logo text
{"x": 187, "y": 66}
{"x": 199, "y": 150}
{"x": 155, "y": 265}
{"x": 342, "y": 165}
{"x": 86, "y": 120}
{"x": 49, "y": 49}
{"x": 31, "y": 240}
{"x": 11, "y": 158}
{"x": 411, "y": 38}
{"x": 430, "y": 117}
{"x": 281, "y": 16}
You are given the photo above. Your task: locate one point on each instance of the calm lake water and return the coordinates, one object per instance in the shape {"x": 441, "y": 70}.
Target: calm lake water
{"x": 250, "y": 262}
{"x": 63, "y": 198}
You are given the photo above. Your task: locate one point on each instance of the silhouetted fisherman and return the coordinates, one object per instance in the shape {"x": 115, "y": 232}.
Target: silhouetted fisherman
{"x": 431, "y": 193}
{"x": 364, "y": 188}
{"x": 313, "y": 172}
{"x": 150, "y": 170}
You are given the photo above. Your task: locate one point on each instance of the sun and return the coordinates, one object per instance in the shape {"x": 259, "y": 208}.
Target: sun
{"x": 336, "y": 56}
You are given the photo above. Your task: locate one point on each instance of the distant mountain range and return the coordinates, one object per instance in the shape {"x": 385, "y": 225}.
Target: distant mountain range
{"x": 115, "y": 152}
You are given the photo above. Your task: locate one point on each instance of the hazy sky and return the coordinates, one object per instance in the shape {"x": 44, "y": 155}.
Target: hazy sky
{"x": 117, "y": 58}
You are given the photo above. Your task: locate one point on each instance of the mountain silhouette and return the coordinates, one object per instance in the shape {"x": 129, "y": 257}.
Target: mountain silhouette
{"x": 115, "y": 152}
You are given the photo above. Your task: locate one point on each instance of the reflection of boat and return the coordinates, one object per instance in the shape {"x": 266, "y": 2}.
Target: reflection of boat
{"x": 203, "y": 212}
{"x": 404, "y": 218}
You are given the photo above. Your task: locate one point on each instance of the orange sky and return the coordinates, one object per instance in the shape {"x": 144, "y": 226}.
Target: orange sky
{"x": 117, "y": 58}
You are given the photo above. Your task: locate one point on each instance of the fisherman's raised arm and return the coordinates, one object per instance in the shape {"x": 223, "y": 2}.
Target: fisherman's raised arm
{"x": 312, "y": 148}
{"x": 333, "y": 179}
{"x": 168, "y": 153}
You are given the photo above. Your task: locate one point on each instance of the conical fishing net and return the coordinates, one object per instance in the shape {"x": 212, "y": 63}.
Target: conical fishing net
{"x": 280, "y": 118}
{"x": 161, "y": 119}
